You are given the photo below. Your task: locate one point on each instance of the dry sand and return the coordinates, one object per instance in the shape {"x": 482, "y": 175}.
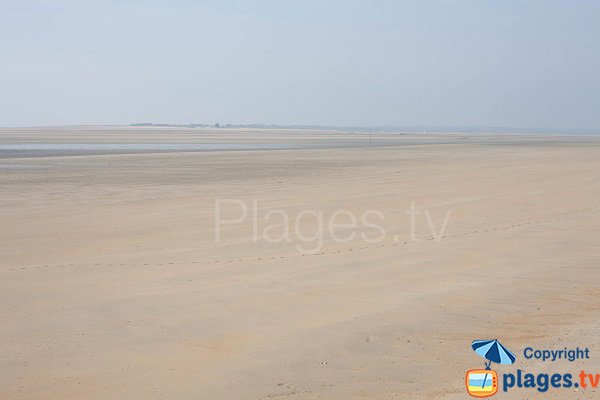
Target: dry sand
{"x": 112, "y": 286}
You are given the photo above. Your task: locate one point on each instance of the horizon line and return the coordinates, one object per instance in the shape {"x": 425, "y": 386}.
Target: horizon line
{"x": 360, "y": 128}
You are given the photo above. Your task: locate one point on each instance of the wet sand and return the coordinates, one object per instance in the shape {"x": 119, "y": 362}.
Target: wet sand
{"x": 112, "y": 285}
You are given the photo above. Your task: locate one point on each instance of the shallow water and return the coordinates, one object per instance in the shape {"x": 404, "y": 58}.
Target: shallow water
{"x": 47, "y": 148}
{"x": 22, "y": 150}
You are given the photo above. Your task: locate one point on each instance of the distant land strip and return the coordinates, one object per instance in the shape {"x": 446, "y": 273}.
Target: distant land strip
{"x": 384, "y": 128}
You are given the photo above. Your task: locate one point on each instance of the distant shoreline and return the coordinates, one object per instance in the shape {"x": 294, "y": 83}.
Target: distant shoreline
{"x": 411, "y": 129}
{"x": 382, "y": 128}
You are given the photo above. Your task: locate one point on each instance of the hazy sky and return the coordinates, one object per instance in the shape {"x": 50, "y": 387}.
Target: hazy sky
{"x": 475, "y": 63}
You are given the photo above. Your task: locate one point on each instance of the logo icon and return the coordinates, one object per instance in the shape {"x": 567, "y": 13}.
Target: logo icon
{"x": 484, "y": 382}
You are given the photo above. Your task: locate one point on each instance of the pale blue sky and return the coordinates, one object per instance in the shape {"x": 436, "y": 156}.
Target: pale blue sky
{"x": 469, "y": 63}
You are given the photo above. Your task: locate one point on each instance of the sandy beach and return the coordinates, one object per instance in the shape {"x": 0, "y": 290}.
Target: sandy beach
{"x": 112, "y": 285}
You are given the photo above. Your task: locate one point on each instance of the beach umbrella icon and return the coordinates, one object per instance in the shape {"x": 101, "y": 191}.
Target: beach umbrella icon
{"x": 493, "y": 351}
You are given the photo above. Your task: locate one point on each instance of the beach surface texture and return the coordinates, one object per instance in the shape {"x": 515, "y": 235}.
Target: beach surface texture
{"x": 114, "y": 284}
